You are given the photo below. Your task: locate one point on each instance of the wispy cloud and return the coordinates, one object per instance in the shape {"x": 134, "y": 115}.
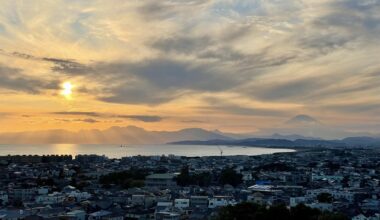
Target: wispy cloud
{"x": 143, "y": 118}
{"x": 14, "y": 79}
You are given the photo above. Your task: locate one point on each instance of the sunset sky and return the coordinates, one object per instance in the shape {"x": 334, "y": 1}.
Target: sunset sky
{"x": 237, "y": 66}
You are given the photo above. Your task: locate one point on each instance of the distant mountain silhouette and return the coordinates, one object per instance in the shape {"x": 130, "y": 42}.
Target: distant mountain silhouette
{"x": 113, "y": 135}
{"x": 137, "y": 135}
{"x": 307, "y": 127}
{"x": 302, "y": 119}
{"x": 362, "y": 141}
{"x": 291, "y": 137}
{"x": 271, "y": 142}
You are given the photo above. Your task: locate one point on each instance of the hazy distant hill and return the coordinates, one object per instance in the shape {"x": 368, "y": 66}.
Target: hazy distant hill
{"x": 272, "y": 142}
{"x": 136, "y": 135}
{"x": 302, "y": 119}
{"x": 291, "y": 137}
{"x": 114, "y": 135}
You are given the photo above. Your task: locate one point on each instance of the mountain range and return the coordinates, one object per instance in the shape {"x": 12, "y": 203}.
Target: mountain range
{"x": 301, "y": 130}
{"x": 298, "y": 143}
{"x": 113, "y": 135}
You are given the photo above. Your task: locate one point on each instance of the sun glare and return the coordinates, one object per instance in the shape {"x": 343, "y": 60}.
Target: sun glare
{"x": 66, "y": 91}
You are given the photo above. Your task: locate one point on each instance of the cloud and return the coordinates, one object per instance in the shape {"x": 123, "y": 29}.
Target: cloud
{"x": 218, "y": 105}
{"x": 144, "y": 118}
{"x": 316, "y": 55}
{"x": 75, "y": 113}
{"x": 183, "y": 44}
{"x": 4, "y": 114}
{"x": 59, "y": 65}
{"x": 88, "y": 120}
{"x": 193, "y": 121}
{"x": 155, "y": 81}
{"x": 85, "y": 120}
{"x": 69, "y": 66}
{"x": 167, "y": 9}
{"x": 13, "y": 79}
{"x": 357, "y": 107}
{"x": 296, "y": 89}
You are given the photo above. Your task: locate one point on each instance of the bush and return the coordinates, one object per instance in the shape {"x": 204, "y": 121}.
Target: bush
{"x": 125, "y": 179}
{"x": 252, "y": 211}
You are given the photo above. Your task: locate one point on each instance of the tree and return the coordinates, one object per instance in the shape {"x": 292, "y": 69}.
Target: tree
{"x": 279, "y": 212}
{"x": 186, "y": 179}
{"x": 125, "y": 179}
{"x": 345, "y": 181}
{"x": 230, "y": 176}
{"x": 302, "y": 212}
{"x": 183, "y": 179}
{"x": 243, "y": 211}
{"x": 325, "y": 198}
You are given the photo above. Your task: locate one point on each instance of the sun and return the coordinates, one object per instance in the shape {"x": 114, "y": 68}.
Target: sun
{"x": 67, "y": 90}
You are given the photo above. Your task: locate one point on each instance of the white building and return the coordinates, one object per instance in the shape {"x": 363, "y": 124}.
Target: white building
{"x": 363, "y": 217}
{"x": 52, "y": 198}
{"x": 77, "y": 215}
{"x": 3, "y": 198}
{"x": 321, "y": 206}
{"x": 99, "y": 215}
{"x": 247, "y": 175}
{"x": 80, "y": 196}
{"x": 182, "y": 203}
{"x": 43, "y": 191}
{"x": 220, "y": 201}
{"x": 294, "y": 201}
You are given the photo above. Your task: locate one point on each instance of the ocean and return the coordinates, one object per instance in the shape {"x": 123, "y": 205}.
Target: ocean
{"x": 115, "y": 151}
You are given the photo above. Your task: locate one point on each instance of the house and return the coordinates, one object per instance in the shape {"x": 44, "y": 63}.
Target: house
{"x": 53, "y": 198}
{"x": 294, "y": 201}
{"x": 247, "y": 175}
{"x": 363, "y": 217}
{"x": 220, "y": 201}
{"x": 77, "y": 215}
{"x": 199, "y": 201}
{"x": 256, "y": 197}
{"x": 6, "y": 214}
{"x": 143, "y": 200}
{"x": 321, "y": 206}
{"x": 169, "y": 213}
{"x": 23, "y": 194}
{"x": 161, "y": 180}
{"x": 3, "y": 198}
{"x": 139, "y": 213}
{"x": 102, "y": 214}
{"x": 370, "y": 205}
{"x": 182, "y": 203}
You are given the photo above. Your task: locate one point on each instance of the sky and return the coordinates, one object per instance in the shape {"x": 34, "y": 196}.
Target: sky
{"x": 232, "y": 65}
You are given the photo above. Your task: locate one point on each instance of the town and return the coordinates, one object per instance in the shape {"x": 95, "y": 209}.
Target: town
{"x": 172, "y": 187}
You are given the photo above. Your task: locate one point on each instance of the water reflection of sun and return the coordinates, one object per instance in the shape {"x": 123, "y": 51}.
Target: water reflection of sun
{"x": 65, "y": 149}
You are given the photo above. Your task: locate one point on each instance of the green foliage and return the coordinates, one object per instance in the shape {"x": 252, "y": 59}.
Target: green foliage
{"x": 200, "y": 179}
{"x": 332, "y": 166}
{"x": 252, "y": 211}
{"x": 125, "y": 179}
{"x": 45, "y": 181}
{"x": 325, "y": 198}
{"x": 230, "y": 176}
{"x": 242, "y": 211}
{"x": 275, "y": 167}
{"x": 332, "y": 216}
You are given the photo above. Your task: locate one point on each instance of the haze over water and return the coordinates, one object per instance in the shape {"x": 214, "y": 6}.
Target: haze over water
{"x": 115, "y": 151}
